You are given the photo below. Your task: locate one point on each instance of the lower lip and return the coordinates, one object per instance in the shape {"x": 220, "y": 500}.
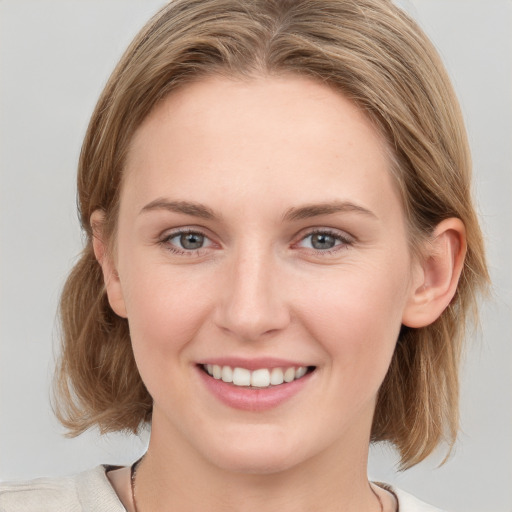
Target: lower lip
{"x": 253, "y": 399}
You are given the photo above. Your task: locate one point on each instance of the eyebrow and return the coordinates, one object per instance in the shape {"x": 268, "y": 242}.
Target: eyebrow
{"x": 295, "y": 213}
{"x": 186, "y": 207}
{"x": 315, "y": 210}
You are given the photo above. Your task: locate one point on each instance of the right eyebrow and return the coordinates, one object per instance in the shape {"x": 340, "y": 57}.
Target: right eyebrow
{"x": 186, "y": 207}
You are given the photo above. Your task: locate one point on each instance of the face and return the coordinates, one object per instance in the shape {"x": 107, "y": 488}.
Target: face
{"x": 263, "y": 265}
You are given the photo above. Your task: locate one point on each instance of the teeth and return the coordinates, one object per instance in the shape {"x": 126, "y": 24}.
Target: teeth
{"x": 241, "y": 377}
{"x": 289, "y": 374}
{"x": 276, "y": 376}
{"x": 227, "y": 374}
{"x": 300, "y": 372}
{"x": 261, "y": 378}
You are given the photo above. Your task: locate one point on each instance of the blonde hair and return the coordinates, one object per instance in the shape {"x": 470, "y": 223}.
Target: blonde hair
{"x": 376, "y": 56}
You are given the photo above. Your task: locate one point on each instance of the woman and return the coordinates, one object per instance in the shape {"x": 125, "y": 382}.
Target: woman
{"x": 281, "y": 254}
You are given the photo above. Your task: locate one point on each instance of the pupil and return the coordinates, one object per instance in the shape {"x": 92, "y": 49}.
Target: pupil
{"x": 322, "y": 241}
{"x": 191, "y": 241}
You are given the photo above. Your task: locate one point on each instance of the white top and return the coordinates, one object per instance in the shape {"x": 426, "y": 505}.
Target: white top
{"x": 91, "y": 491}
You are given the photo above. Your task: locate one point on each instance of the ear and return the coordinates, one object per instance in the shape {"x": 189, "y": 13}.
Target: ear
{"x": 106, "y": 261}
{"x": 437, "y": 275}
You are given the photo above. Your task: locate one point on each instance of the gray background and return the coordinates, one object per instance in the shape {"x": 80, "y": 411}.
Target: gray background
{"x": 55, "y": 56}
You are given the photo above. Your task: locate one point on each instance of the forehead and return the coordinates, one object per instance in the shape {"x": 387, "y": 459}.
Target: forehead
{"x": 288, "y": 136}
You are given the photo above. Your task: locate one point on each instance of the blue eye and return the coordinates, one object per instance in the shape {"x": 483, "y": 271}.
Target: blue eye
{"x": 324, "y": 241}
{"x": 186, "y": 242}
{"x": 190, "y": 241}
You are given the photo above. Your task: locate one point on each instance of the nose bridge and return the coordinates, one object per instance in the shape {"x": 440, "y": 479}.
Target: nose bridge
{"x": 253, "y": 304}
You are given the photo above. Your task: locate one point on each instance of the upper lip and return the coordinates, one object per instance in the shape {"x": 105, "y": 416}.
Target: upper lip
{"x": 253, "y": 364}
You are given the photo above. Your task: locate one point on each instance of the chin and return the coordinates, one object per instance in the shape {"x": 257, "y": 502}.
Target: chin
{"x": 256, "y": 454}
{"x": 256, "y": 463}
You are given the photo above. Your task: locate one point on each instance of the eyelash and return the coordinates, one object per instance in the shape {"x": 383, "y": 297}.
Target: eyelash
{"x": 344, "y": 240}
{"x": 166, "y": 242}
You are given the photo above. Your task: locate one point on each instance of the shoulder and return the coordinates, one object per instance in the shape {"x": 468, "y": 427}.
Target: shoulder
{"x": 85, "y": 491}
{"x": 40, "y": 495}
{"x": 408, "y": 503}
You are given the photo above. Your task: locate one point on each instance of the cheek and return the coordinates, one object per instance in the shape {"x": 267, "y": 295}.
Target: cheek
{"x": 164, "y": 312}
{"x": 356, "y": 316}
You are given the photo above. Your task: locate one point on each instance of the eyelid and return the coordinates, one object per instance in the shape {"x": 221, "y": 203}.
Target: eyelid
{"x": 189, "y": 228}
{"x": 346, "y": 239}
{"x": 167, "y": 235}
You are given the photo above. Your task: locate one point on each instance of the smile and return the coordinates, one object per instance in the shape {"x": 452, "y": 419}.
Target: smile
{"x": 260, "y": 378}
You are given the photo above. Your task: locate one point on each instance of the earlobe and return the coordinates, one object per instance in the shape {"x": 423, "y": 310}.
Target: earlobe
{"x": 105, "y": 259}
{"x": 438, "y": 273}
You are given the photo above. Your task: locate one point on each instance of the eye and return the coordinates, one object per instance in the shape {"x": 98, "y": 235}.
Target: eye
{"x": 189, "y": 241}
{"x": 324, "y": 241}
{"x": 186, "y": 242}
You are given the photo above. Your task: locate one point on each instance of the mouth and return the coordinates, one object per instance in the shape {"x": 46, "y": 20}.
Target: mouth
{"x": 256, "y": 379}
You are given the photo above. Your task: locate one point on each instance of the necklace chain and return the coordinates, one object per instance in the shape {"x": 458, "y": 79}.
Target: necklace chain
{"x": 133, "y": 473}
{"x": 135, "y": 465}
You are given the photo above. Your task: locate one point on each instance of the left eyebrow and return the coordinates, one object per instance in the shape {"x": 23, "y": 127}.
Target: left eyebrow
{"x": 315, "y": 210}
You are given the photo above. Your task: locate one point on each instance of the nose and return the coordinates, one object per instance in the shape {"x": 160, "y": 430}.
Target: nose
{"x": 252, "y": 305}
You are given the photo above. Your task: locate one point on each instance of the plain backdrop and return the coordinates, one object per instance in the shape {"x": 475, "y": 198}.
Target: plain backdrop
{"x": 55, "y": 57}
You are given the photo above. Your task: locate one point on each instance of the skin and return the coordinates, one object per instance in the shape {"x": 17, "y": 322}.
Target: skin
{"x": 254, "y": 152}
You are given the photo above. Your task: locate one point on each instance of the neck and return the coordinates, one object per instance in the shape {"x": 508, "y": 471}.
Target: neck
{"x": 173, "y": 477}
